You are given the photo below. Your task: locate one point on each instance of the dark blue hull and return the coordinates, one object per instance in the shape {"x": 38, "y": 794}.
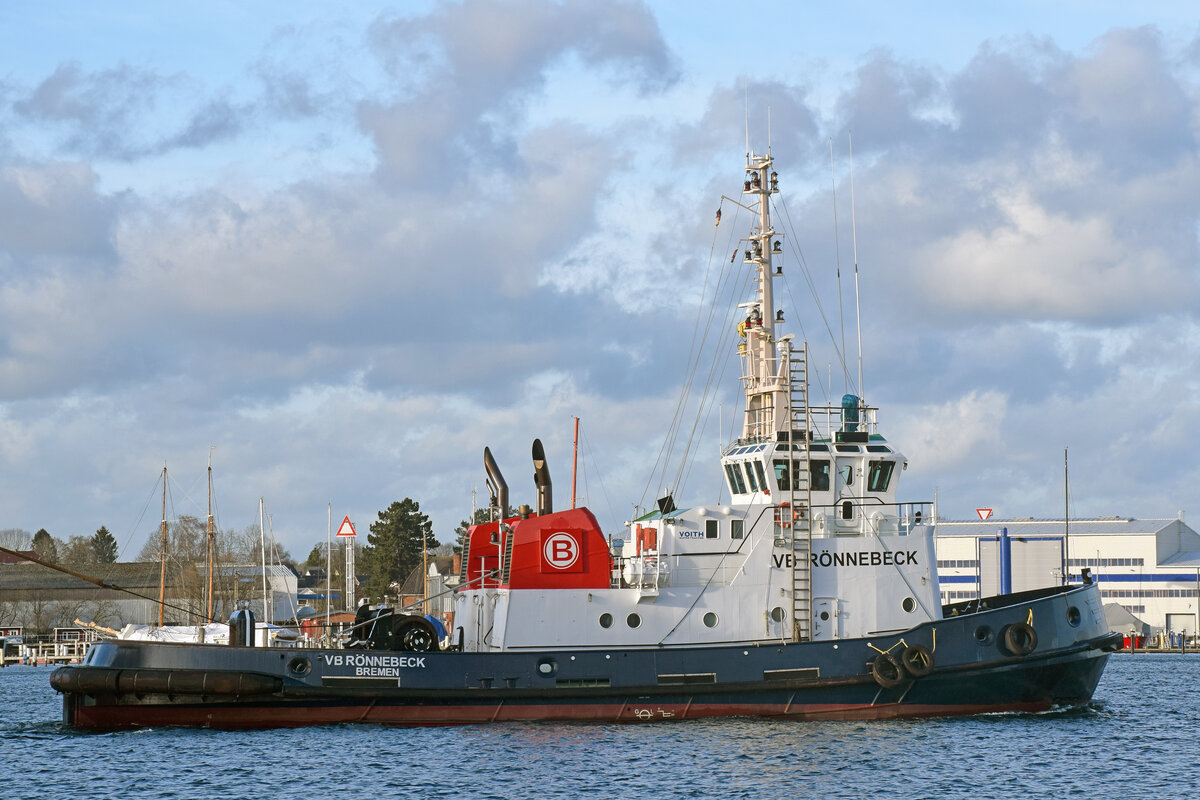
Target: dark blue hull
{"x": 975, "y": 665}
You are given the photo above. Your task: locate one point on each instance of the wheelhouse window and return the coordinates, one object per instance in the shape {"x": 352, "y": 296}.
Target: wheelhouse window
{"x": 711, "y": 528}
{"x": 846, "y": 471}
{"x": 818, "y": 475}
{"x": 762, "y": 476}
{"x": 880, "y": 475}
{"x": 736, "y": 484}
{"x": 782, "y": 471}
{"x": 750, "y": 477}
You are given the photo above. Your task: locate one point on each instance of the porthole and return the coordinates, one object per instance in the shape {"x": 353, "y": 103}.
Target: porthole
{"x": 606, "y": 620}
{"x": 777, "y": 614}
{"x": 909, "y": 605}
{"x": 824, "y": 616}
{"x": 984, "y": 635}
{"x": 710, "y": 620}
{"x": 547, "y": 667}
{"x": 1073, "y": 616}
{"x": 633, "y": 620}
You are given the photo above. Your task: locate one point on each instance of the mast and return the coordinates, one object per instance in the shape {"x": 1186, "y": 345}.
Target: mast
{"x": 162, "y": 572}
{"x": 764, "y": 383}
{"x": 262, "y": 535}
{"x": 211, "y": 539}
{"x": 328, "y": 566}
{"x": 1067, "y": 521}
{"x": 574, "y": 461}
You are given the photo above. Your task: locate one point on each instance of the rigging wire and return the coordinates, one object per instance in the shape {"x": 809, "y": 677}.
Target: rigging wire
{"x": 812, "y": 288}
{"x": 701, "y": 334}
{"x": 599, "y": 472}
{"x": 138, "y": 522}
{"x": 669, "y": 441}
{"x": 717, "y": 367}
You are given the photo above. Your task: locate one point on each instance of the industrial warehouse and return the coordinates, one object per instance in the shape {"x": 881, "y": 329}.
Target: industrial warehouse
{"x": 1150, "y": 568}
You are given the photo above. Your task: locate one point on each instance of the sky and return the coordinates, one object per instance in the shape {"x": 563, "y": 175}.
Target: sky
{"x": 340, "y": 250}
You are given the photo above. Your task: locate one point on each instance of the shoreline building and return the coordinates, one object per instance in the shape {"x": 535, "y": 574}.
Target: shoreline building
{"x": 1150, "y": 567}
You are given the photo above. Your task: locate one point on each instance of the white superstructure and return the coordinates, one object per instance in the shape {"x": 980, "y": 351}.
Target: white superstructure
{"x": 812, "y": 545}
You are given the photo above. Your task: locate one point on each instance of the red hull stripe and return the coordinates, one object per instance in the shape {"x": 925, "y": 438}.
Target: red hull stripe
{"x": 283, "y": 716}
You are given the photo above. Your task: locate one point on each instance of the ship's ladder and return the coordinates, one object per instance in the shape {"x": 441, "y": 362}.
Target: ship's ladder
{"x": 466, "y": 559}
{"x": 506, "y": 570}
{"x": 800, "y": 490}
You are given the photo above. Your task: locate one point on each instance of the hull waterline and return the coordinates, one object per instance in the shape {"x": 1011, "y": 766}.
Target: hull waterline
{"x": 146, "y": 684}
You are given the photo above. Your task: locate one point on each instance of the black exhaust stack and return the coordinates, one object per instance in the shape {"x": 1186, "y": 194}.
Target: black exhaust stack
{"x": 495, "y": 483}
{"x": 541, "y": 479}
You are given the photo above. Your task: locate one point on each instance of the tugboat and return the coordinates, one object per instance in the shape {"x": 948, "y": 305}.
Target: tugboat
{"x": 812, "y": 594}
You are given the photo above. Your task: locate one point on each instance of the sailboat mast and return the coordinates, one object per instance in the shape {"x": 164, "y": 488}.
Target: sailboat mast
{"x": 262, "y": 535}
{"x": 328, "y": 564}
{"x": 211, "y": 539}
{"x": 162, "y": 560}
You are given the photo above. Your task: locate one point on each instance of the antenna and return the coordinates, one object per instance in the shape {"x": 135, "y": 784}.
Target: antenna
{"x": 746, "y": 90}
{"x": 837, "y": 254}
{"x": 862, "y": 393}
{"x": 768, "y": 130}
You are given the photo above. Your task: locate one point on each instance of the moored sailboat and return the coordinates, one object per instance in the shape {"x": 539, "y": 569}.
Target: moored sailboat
{"x": 813, "y": 593}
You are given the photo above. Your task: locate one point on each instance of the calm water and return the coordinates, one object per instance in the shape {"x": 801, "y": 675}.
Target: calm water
{"x": 1139, "y": 738}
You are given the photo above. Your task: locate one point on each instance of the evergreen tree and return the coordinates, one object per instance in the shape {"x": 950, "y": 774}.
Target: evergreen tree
{"x": 45, "y": 545}
{"x": 394, "y": 548}
{"x": 104, "y": 545}
{"x": 316, "y": 558}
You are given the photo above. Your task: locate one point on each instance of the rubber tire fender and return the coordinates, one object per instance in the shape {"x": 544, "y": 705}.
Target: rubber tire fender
{"x": 1020, "y": 638}
{"x": 887, "y": 671}
{"x": 918, "y": 660}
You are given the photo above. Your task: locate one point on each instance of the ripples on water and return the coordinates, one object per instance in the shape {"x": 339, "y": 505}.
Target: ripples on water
{"x": 1137, "y": 739}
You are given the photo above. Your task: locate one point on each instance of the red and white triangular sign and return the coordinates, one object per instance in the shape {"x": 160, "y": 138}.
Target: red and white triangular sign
{"x": 346, "y": 528}
{"x": 983, "y": 513}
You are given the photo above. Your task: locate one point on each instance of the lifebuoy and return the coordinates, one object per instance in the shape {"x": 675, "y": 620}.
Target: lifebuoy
{"x": 917, "y": 660}
{"x": 1020, "y": 638}
{"x": 887, "y": 671}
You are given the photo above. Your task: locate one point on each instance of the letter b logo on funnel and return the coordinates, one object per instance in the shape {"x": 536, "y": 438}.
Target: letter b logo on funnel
{"x": 560, "y": 552}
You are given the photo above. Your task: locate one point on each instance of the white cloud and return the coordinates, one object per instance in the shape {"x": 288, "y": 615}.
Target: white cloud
{"x": 512, "y": 256}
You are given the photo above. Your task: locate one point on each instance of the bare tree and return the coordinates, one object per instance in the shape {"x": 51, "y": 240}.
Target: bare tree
{"x": 16, "y": 539}
{"x": 77, "y": 551}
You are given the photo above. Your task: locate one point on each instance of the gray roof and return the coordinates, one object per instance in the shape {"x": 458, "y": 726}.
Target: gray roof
{"x": 1190, "y": 558}
{"x": 237, "y": 570}
{"x": 137, "y": 575}
{"x": 1027, "y": 526}
{"x": 1121, "y": 619}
